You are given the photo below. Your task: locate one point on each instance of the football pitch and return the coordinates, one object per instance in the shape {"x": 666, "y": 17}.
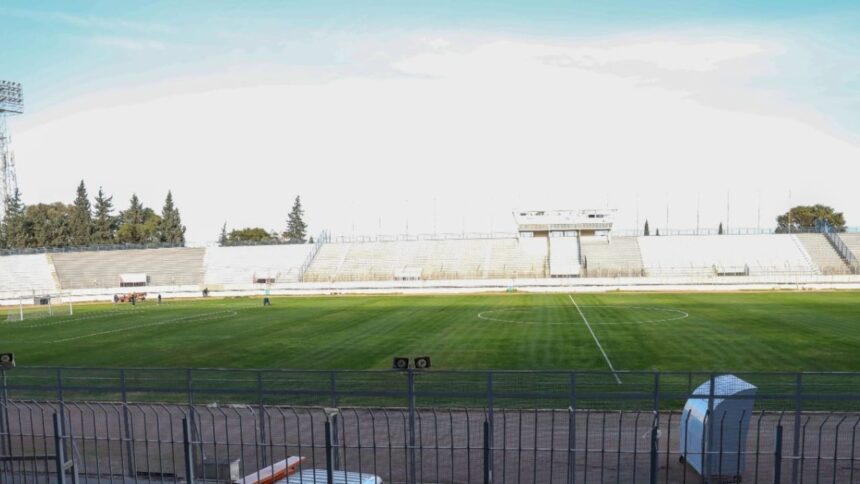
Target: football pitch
{"x": 778, "y": 331}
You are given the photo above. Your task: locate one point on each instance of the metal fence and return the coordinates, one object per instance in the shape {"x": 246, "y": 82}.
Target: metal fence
{"x": 436, "y": 426}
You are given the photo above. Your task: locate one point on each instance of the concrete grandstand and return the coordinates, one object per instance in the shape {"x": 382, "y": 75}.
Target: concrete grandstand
{"x": 593, "y": 262}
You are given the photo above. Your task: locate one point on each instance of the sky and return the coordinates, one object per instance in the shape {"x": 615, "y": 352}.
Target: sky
{"x": 393, "y": 117}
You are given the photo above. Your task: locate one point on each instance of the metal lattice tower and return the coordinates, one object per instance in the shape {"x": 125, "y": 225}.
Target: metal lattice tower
{"x": 11, "y": 103}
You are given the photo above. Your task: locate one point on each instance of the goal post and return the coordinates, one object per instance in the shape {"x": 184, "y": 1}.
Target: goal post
{"x": 39, "y": 306}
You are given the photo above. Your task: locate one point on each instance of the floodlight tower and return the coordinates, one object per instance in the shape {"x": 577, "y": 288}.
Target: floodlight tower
{"x": 11, "y": 103}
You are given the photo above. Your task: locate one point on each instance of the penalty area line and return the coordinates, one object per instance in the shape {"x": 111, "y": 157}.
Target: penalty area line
{"x": 597, "y": 341}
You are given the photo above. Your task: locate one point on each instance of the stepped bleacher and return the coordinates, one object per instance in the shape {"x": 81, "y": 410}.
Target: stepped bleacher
{"x": 250, "y": 264}
{"x": 611, "y": 256}
{"x": 163, "y": 267}
{"x": 27, "y": 274}
{"x": 852, "y": 241}
{"x": 712, "y": 255}
{"x": 240, "y": 268}
{"x": 432, "y": 259}
{"x": 823, "y": 254}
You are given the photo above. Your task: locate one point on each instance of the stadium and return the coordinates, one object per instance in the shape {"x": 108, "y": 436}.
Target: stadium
{"x": 506, "y": 320}
{"x": 471, "y": 295}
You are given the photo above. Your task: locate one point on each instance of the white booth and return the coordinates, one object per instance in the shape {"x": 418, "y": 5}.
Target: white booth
{"x": 714, "y": 425}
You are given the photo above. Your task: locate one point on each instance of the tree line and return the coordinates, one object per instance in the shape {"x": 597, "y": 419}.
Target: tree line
{"x": 82, "y": 223}
{"x": 802, "y": 218}
{"x": 295, "y": 233}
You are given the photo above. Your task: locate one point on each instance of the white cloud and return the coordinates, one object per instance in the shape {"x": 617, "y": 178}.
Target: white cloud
{"x": 479, "y": 130}
{"x": 128, "y": 43}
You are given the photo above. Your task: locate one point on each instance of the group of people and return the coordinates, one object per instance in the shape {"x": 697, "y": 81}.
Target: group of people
{"x": 132, "y": 298}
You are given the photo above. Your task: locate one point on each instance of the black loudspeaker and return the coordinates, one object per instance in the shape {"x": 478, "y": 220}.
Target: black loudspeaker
{"x": 7, "y": 360}
{"x": 422, "y": 362}
{"x": 400, "y": 363}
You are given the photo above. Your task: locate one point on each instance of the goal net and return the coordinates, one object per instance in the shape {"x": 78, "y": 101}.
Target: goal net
{"x": 40, "y": 306}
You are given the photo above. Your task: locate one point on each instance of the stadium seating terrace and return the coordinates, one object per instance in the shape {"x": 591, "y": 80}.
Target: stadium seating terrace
{"x": 510, "y": 258}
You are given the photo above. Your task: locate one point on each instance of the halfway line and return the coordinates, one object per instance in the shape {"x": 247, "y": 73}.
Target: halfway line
{"x": 595, "y": 339}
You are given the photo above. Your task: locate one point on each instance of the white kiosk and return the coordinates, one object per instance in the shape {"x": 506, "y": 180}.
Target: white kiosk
{"x": 714, "y": 425}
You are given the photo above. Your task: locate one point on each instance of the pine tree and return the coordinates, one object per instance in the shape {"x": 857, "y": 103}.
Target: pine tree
{"x": 104, "y": 222}
{"x": 170, "y": 229}
{"x": 647, "y": 228}
{"x": 658, "y": 232}
{"x": 82, "y": 219}
{"x": 14, "y": 228}
{"x": 296, "y": 226}
{"x": 131, "y": 222}
{"x": 222, "y": 238}
{"x": 720, "y": 230}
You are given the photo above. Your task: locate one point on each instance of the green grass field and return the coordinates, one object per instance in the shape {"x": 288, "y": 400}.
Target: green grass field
{"x": 741, "y": 331}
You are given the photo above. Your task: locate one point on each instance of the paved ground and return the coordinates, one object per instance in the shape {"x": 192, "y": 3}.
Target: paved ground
{"x": 527, "y": 445}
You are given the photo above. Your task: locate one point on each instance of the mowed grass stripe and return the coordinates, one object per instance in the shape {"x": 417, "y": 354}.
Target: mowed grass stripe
{"x": 741, "y": 331}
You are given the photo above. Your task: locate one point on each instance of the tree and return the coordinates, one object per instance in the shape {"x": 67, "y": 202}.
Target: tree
{"x": 720, "y": 229}
{"x": 249, "y": 234}
{"x": 296, "y": 226}
{"x": 81, "y": 220}
{"x": 311, "y": 240}
{"x": 222, "y": 238}
{"x": 658, "y": 232}
{"x": 171, "y": 229}
{"x": 50, "y": 225}
{"x": 14, "y": 228}
{"x": 647, "y": 228}
{"x": 810, "y": 218}
{"x": 138, "y": 224}
{"x": 104, "y": 222}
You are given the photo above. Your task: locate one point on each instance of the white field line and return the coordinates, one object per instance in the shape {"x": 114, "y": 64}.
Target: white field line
{"x": 191, "y": 318}
{"x": 599, "y": 346}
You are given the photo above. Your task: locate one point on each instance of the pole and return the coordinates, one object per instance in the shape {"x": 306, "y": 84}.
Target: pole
{"x": 59, "y": 451}
{"x": 777, "y": 456}
{"x": 410, "y": 377}
{"x": 189, "y": 449}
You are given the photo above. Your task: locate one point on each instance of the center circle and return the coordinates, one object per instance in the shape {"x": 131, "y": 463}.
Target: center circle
{"x": 597, "y": 315}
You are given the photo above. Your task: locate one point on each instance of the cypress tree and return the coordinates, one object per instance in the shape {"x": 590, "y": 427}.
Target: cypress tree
{"x": 720, "y": 230}
{"x": 82, "y": 220}
{"x": 171, "y": 229}
{"x": 131, "y": 222}
{"x": 104, "y": 222}
{"x": 14, "y": 228}
{"x": 222, "y": 238}
{"x": 296, "y": 226}
{"x": 647, "y": 228}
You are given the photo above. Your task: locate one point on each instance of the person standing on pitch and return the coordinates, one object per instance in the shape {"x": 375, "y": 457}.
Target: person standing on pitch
{"x": 266, "y": 301}
{"x": 159, "y": 299}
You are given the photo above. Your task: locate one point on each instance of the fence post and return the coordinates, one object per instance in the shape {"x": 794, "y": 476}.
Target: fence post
{"x": 333, "y": 389}
{"x": 491, "y": 403}
{"x": 571, "y": 432}
{"x": 329, "y": 457}
{"x": 189, "y": 450}
{"x": 653, "y": 468}
{"x": 777, "y": 457}
{"x": 126, "y": 424}
{"x": 709, "y": 429}
{"x": 798, "y": 409}
{"x": 59, "y": 451}
{"x": 6, "y": 437}
{"x": 410, "y": 379}
{"x": 261, "y": 412}
{"x": 487, "y": 455}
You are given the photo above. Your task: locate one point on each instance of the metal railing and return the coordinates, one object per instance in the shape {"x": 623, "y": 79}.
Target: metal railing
{"x": 88, "y": 248}
{"x": 844, "y": 251}
{"x": 167, "y": 425}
